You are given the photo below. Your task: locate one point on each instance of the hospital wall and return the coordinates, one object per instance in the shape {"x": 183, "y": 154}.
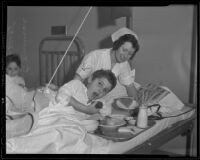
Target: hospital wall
{"x": 165, "y": 55}
{"x": 164, "y": 36}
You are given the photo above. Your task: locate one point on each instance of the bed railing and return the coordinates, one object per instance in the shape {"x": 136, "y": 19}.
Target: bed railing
{"x": 51, "y": 51}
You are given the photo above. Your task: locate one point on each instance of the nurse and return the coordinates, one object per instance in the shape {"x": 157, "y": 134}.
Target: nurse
{"x": 125, "y": 46}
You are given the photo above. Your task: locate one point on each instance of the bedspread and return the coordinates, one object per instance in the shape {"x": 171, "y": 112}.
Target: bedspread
{"x": 57, "y": 132}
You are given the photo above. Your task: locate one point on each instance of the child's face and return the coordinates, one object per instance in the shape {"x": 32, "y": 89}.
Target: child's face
{"x": 12, "y": 69}
{"x": 98, "y": 88}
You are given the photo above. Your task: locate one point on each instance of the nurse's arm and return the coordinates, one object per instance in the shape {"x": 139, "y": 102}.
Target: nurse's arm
{"x": 132, "y": 91}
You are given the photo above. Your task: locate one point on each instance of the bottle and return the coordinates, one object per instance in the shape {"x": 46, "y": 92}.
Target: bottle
{"x": 142, "y": 118}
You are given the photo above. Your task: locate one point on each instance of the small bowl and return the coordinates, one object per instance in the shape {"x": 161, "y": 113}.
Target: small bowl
{"x": 110, "y": 125}
{"x": 131, "y": 120}
{"x": 118, "y": 116}
{"x": 90, "y": 125}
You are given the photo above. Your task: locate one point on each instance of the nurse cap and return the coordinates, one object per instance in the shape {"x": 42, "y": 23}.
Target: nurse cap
{"x": 122, "y": 31}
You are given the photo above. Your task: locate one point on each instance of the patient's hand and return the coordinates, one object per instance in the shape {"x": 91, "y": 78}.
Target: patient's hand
{"x": 52, "y": 87}
{"x": 92, "y": 108}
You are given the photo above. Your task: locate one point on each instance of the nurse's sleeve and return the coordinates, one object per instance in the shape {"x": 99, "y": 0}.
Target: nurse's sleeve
{"x": 86, "y": 67}
{"x": 127, "y": 79}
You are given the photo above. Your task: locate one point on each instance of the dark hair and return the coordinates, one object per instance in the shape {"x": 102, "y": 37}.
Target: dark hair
{"x": 126, "y": 38}
{"x": 108, "y": 74}
{"x": 13, "y": 58}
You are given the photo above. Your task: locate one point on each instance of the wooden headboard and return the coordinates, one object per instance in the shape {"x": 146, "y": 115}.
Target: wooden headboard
{"x": 51, "y": 51}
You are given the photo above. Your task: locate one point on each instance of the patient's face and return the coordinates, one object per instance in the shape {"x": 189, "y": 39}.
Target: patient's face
{"x": 98, "y": 88}
{"x": 12, "y": 69}
{"x": 124, "y": 52}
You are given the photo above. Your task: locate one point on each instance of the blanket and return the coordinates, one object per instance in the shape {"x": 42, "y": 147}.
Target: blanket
{"x": 58, "y": 132}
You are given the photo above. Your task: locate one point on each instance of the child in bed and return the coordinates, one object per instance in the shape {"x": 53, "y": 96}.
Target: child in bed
{"x": 75, "y": 96}
{"x": 22, "y": 107}
{"x": 81, "y": 94}
{"x": 17, "y": 98}
{"x": 13, "y": 66}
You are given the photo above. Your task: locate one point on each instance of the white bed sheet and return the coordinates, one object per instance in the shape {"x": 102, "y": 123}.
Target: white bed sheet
{"x": 121, "y": 147}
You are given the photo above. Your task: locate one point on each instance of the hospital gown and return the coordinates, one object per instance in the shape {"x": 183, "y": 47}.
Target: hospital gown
{"x": 17, "y": 98}
{"x": 77, "y": 90}
{"x": 19, "y": 80}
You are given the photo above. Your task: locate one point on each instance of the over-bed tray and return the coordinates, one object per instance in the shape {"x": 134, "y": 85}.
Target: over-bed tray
{"x": 164, "y": 131}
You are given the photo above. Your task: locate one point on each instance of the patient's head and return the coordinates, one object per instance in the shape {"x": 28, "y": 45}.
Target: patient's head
{"x": 100, "y": 83}
{"x": 13, "y": 65}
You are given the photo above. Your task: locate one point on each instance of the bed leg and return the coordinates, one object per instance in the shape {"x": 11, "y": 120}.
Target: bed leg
{"x": 188, "y": 134}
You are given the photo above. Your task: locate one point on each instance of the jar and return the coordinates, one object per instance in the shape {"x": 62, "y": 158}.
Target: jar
{"x": 142, "y": 118}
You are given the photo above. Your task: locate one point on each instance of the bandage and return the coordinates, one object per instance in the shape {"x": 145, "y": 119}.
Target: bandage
{"x": 127, "y": 78}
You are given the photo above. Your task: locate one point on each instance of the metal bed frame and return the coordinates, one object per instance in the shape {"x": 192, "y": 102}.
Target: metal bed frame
{"x": 49, "y": 60}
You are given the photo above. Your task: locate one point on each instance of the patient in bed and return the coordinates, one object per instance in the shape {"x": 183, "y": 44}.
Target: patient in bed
{"x": 75, "y": 96}
{"x": 18, "y": 99}
{"x": 81, "y": 95}
{"x": 13, "y": 66}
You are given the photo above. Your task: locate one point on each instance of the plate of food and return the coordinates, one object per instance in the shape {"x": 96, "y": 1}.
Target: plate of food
{"x": 125, "y": 103}
{"x": 115, "y": 136}
{"x": 113, "y": 129}
{"x": 110, "y": 124}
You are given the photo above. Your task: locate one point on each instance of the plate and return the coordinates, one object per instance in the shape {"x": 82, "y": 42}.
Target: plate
{"x": 112, "y": 122}
{"x": 118, "y": 116}
{"x": 123, "y": 136}
{"x": 115, "y": 136}
{"x": 125, "y": 103}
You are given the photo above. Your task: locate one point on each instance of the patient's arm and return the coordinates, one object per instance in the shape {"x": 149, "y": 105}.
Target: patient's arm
{"x": 90, "y": 109}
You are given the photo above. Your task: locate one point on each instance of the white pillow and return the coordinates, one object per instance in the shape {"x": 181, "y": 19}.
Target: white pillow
{"x": 171, "y": 102}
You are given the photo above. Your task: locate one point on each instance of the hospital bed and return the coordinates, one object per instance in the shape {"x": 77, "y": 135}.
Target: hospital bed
{"x": 51, "y": 52}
